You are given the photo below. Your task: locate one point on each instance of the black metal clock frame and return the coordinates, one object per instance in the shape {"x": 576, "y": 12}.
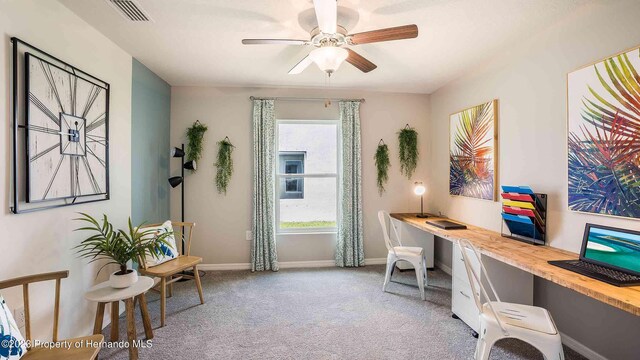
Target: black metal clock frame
{"x": 19, "y": 128}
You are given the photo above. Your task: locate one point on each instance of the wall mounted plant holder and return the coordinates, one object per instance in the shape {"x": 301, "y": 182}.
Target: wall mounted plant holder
{"x": 224, "y": 165}
{"x": 195, "y": 141}
{"x": 382, "y": 165}
{"x": 408, "y": 150}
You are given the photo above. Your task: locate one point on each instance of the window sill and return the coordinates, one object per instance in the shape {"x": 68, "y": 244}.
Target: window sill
{"x": 319, "y": 232}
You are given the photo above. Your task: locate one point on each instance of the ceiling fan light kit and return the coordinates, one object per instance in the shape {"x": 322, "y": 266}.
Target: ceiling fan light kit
{"x": 330, "y": 40}
{"x": 329, "y": 58}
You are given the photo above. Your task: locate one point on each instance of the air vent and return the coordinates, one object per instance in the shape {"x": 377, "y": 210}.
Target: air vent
{"x": 130, "y": 10}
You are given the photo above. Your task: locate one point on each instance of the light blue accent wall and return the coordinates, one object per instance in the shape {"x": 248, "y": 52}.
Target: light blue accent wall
{"x": 150, "y": 115}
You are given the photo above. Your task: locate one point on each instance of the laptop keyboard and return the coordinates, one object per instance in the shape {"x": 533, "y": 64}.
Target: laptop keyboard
{"x": 614, "y": 274}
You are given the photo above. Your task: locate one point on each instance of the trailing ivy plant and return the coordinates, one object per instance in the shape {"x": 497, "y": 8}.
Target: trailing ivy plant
{"x": 382, "y": 165}
{"x": 408, "y": 143}
{"x": 224, "y": 165}
{"x": 195, "y": 139}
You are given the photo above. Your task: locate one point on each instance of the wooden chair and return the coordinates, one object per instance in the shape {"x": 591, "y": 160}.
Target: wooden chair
{"x": 174, "y": 270}
{"x": 82, "y": 352}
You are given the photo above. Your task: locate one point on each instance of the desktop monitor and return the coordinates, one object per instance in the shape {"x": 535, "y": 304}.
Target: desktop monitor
{"x": 612, "y": 247}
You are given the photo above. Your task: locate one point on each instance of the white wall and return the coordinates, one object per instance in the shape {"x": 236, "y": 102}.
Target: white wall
{"x": 42, "y": 241}
{"x": 529, "y": 79}
{"x": 222, "y": 220}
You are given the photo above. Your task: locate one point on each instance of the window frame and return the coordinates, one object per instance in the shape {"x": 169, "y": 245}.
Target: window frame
{"x": 278, "y": 176}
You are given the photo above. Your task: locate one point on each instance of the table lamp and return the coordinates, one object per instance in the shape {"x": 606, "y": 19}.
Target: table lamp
{"x": 419, "y": 190}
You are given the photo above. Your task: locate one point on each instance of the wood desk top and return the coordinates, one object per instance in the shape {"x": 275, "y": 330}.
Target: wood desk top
{"x": 533, "y": 259}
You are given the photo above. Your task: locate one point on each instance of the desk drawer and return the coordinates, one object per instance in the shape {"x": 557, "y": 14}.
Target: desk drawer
{"x": 463, "y": 304}
{"x": 457, "y": 264}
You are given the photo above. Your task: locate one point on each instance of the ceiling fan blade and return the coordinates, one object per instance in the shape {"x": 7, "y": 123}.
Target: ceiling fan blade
{"x": 303, "y": 64}
{"x": 360, "y": 62}
{"x": 327, "y": 15}
{"x": 394, "y": 33}
{"x": 274, "y": 42}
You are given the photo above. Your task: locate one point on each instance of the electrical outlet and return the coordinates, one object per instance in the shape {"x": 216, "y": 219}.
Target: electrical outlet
{"x": 248, "y": 235}
{"x": 18, "y": 316}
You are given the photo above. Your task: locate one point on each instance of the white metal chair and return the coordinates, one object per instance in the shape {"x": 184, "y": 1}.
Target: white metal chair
{"x": 499, "y": 320}
{"x": 413, "y": 255}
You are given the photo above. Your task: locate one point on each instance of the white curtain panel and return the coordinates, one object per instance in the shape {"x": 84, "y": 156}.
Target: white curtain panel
{"x": 263, "y": 246}
{"x": 350, "y": 249}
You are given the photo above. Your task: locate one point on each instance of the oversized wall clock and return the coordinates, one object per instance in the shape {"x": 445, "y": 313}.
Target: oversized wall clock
{"x": 66, "y": 133}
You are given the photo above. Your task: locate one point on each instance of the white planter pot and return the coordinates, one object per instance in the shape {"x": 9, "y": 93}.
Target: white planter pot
{"x": 123, "y": 281}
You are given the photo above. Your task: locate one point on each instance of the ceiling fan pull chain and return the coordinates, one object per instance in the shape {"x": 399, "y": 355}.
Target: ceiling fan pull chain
{"x": 327, "y": 84}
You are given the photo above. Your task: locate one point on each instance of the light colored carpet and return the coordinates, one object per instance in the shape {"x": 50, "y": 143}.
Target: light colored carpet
{"x": 325, "y": 313}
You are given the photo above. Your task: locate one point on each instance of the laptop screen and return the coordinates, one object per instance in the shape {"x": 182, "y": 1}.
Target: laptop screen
{"x": 616, "y": 248}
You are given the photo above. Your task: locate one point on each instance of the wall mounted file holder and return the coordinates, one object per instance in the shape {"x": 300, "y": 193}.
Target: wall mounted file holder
{"x": 524, "y": 215}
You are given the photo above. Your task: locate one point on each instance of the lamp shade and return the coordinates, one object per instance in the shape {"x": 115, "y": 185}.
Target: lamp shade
{"x": 329, "y": 58}
{"x": 175, "y": 181}
{"x": 177, "y": 152}
{"x": 190, "y": 165}
{"x": 419, "y": 189}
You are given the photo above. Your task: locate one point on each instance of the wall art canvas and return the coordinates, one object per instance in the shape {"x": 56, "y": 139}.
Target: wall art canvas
{"x": 66, "y": 133}
{"x": 473, "y": 135}
{"x": 603, "y": 129}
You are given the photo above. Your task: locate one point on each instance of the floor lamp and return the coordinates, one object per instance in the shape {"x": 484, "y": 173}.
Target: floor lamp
{"x": 174, "y": 181}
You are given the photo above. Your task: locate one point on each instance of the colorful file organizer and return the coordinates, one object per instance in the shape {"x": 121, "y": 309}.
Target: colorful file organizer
{"x": 524, "y": 213}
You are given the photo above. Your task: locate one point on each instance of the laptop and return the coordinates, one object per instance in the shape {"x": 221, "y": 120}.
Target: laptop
{"x": 608, "y": 254}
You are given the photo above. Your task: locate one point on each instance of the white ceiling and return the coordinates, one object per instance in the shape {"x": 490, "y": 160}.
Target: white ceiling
{"x": 197, "y": 42}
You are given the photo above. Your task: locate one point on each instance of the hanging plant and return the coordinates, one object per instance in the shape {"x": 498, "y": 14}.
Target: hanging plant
{"x": 408, "y": 143}
{"x": 382, "y": 165}
{"x": 195, "y": 141}
{"x": 224, "y": 165}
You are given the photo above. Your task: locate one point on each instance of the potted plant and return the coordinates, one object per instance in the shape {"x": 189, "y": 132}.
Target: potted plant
{"x": 119, "y": 247}
{"x": 408, "y": 144}
{"x": 224, "y": 165}
{"x": 195, "y": 143}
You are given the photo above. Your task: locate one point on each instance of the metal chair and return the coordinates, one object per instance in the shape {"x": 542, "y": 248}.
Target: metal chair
{"x": 499, "y": 320}
{"x": 413, "y": 255}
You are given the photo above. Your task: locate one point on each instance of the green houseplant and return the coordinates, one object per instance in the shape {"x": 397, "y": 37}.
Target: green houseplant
{"x": 224, "y": 165}
{"x": 119, "y": 247}
{"x": 195, "y": 141}
{"x": 408, "y": 146}
{"x": 382, "y": 165}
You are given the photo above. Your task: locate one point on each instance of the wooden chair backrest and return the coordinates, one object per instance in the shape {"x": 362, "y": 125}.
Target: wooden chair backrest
{"x": 25, "y": 281}
{"x": 185, "y": 232}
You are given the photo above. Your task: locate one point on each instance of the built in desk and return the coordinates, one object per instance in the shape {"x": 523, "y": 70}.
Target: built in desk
{"x": 533, "y": 259}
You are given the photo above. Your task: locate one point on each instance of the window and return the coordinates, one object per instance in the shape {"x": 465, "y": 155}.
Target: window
{"x": 307, "y": 176}
{"x": 291, "y": 162}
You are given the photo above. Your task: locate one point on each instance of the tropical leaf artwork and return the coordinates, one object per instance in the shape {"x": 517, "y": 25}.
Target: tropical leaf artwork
{"x": 604, "y": 137}
{"x": 472, "y": 151}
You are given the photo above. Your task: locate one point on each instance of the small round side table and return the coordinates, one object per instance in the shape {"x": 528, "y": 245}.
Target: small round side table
{"x": 103, "y": 293}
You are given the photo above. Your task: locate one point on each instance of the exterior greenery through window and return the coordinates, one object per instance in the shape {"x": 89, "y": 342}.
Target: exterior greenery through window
{"x": 307, "y": 176}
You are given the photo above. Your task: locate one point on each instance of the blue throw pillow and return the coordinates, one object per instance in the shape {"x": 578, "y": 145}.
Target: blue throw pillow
{"x": 12, "y": 344}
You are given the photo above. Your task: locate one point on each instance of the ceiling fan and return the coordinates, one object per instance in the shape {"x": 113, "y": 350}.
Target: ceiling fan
{"x": 330, "y": 40}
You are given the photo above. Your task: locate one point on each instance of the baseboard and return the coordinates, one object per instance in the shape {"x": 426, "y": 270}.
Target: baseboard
{"x": 285, "y": 264}
{"x": 228, "y": 266}
{"x": 580, "y": 348}
{"x": 375, "y": 261}
{"x": 440, "y": 265}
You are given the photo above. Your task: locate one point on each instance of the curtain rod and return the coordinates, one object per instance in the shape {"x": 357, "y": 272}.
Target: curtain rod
{"x": 302, "y": 99}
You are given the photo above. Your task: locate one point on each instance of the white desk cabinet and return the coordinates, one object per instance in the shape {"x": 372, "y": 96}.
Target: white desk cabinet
{"x": 411, "y": 236}
{"x": 462, "y": 303}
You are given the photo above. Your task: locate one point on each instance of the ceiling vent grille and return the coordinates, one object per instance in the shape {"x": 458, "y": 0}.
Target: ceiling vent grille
{"x": 130, "y": 10}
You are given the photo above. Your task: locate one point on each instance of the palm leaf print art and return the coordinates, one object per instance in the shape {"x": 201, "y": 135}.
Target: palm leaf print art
{"x": 604, "y": 138}
{"x": 471, "y": 157}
